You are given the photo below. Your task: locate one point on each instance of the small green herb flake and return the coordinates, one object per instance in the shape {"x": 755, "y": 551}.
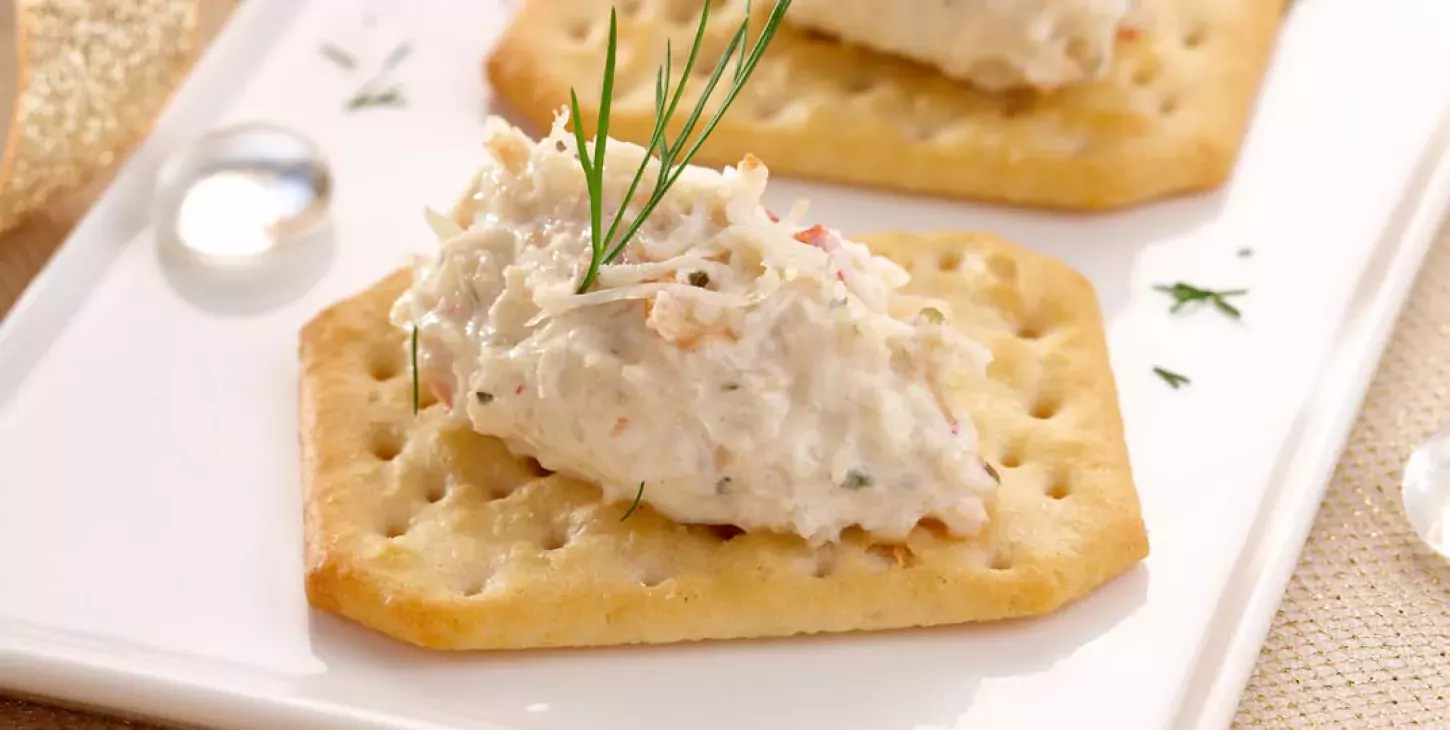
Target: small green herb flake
{"x": 992, "y": 471}
{"x": 730, "y": 387}
{"x": 1184, "y": 294}
{"x": 364, "y": 99}
{"x": 483, "y": 397}
{"x": 338, "y": 56}
{"x": 370, "y": 95}
{"x": 416, "y": 398}
{"x": 700, "y": 279}
{"x": 635, "y": 505}
{"x": 1173, "y": 379}
{"x": 1227, "y": 308}
{"x": 856, "y": 479}
{"x": 933, "y": 315}
{"x": 399, "y": 53}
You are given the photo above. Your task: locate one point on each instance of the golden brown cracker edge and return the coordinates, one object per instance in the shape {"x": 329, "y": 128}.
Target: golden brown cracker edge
{"x": 1169, "y": 119}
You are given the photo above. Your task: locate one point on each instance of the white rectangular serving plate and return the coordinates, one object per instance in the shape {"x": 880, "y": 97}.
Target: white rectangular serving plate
{"x": 150, "y": 518}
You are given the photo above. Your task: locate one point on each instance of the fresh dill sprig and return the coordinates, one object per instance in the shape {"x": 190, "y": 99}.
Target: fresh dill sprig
{"x": 1173, "y": 379}
{"x": 634, "y": 506}
{"x": 1187, "y": 293}
{"x": 674, "y": 155}
{"x": 414, "y": 348}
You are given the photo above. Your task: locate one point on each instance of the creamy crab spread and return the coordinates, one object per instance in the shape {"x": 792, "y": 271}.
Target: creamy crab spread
{"x": 994, "y": 44}
{"x": 745, "y": 370}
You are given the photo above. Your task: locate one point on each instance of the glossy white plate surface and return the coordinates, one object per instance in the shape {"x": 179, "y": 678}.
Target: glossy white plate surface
{"x": 150, "y": 526}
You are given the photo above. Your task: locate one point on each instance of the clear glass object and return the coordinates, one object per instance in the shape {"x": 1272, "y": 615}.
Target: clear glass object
{"x": 1426, "y": 492}
{"x": 237, "y": 193}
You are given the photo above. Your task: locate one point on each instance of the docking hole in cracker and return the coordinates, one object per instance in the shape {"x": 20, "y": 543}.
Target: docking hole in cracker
{"x": 1123, "y": 101}
{"x": 719, "y": 423}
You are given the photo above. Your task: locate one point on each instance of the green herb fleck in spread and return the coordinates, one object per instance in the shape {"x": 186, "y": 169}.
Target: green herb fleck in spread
{"x": 933, "y": 315}
{"x": 635, "y": 505}
{"x": 856, "y": 479}
{"x": 484, "y": 398}
{"x": 700, "y": 279}
{"x": 416, "y": 399}
{"x": 992, "y": 471}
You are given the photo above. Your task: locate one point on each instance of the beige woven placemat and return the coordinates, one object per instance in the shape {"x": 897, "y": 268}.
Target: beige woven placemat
{"x": 1361, "y": 637}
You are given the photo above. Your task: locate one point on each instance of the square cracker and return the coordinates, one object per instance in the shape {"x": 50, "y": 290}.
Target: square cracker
{"x": 436, "y": 535}
{"x": 1168, "y": 118}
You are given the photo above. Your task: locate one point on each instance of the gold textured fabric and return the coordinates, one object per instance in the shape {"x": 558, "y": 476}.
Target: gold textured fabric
{"x": 89, "y": 78}
{"x": 1362, "y": 636}
{"x": 92, "y": 78}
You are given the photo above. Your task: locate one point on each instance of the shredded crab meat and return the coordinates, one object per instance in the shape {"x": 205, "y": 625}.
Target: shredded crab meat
{"x": 750, "y": 369}
{"x": 993, "y": 44}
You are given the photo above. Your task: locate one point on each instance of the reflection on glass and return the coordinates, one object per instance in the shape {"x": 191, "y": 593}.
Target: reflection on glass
{"x": 1426, "y": 492}
{"x": 240, "y": 192}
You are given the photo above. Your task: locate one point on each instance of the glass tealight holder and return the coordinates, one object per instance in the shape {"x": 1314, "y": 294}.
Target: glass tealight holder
{"x": 238, "y": 193}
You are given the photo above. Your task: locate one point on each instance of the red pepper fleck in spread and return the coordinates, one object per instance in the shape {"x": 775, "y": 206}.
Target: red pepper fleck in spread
{"x": 1129, "y": 33}
{"x": 443, "y": 394}
{"x": 772, "y": 216}
{"x": 519, "y": 390}
{"x": 815, "y": 235}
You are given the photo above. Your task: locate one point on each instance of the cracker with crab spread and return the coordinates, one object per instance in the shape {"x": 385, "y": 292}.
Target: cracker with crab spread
{"x": 1066, "y": 104}
{"x": 749, "y": 425}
